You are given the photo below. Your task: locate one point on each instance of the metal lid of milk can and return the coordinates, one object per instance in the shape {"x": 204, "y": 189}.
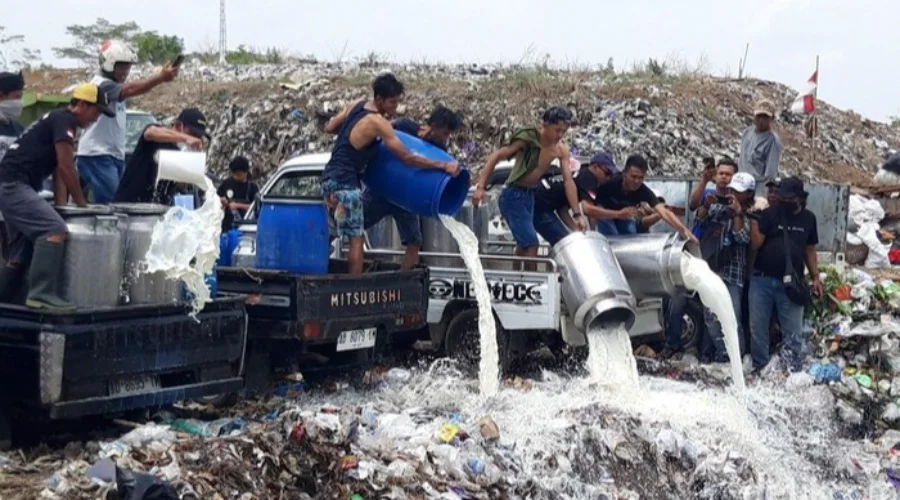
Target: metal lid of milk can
{"x": 140, "y": 208}
{"x": 88, "y": 210}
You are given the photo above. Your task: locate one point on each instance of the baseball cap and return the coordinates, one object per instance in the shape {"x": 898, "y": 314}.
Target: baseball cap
{"x": 742, "y": 182}
{"x": 764, "y": 107}
{"x": 606, "y": 161}
{"x": 772, "y": 183}
{"x": 90, "y": 93}
{"x": 791, "y": 186}
{"x": 193, "y": 119}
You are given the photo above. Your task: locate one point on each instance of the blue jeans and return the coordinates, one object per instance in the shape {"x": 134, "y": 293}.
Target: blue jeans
{"x": 614, "y": 227}
{"x": 377, "y": 207}
{"x": 675, "y": 321}
{"x": 714, "y": 339}
{"x": 548, "y": 225}
{"x": 517, "y": 207}
{"x": 765, "y": 293}
{"x": 102, "y": 173}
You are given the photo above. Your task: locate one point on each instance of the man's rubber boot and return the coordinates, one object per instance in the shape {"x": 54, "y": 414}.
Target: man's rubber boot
{"x": 44, "y": 275}
{"x": 10, "y": 282}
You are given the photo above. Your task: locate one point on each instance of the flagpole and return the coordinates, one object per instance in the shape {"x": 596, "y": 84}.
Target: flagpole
{"x": 814, "y": 121}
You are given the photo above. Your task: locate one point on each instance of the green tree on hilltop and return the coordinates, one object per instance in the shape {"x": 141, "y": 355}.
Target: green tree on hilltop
{"x": 150, "y": 45}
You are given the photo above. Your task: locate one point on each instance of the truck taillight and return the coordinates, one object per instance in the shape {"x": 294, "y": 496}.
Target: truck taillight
{"x": 312, "y": 330}
{"x": 409, "y": 319}
{"x": 52, "y": 353}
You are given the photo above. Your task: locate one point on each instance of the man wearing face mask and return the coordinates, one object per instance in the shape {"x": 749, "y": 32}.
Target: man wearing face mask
{"x": 12, "y": 87}
{"x": 139, "y": 182}
{"x": 785, "y": 236}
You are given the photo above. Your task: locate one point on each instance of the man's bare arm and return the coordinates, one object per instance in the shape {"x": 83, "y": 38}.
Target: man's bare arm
{"x": 65, "y": 170}
{"x": 140, "y": 87}
{"x": 568, "y": 181}
{"x": 757, "y": 238}
{"x": 334, "y": 124}
{"x": 496, "y": 157}
{"x": 395, "y": 145}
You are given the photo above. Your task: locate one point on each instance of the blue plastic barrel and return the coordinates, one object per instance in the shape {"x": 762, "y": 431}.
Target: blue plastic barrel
{"x": 425, "y": 192}
{"x": 227, "y": 243}
{"x": 292, "y": 235}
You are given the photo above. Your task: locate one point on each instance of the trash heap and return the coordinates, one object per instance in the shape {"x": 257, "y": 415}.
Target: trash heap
{"x": 268, "y": 112}
{"x": 857, "y": 346}
{"x": 868, "y": 243}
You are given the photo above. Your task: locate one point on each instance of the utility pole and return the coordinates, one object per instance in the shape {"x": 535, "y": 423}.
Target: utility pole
{"x": 223, "y": 46}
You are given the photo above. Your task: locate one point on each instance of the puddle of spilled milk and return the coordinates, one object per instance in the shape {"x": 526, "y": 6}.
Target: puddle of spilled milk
{"x": 714, "y": 295}
{"x": 489, "y": 360}
{"x": 185, "y": 245}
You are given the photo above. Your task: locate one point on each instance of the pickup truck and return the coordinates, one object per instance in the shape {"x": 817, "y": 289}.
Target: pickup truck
{"x": 333, "y": 321}
{"x": 108, "y": 361}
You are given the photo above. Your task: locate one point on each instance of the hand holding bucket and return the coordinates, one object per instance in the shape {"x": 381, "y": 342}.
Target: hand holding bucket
{"x": 182, "y": 166}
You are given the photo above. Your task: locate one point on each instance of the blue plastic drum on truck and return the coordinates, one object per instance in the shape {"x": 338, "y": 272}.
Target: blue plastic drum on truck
{"x": 425, "y": 192}
{"x": 227, "y": 243}
{"x": 292, "y": 235}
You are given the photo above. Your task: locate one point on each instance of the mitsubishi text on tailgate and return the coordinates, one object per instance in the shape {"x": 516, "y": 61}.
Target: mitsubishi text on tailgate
{"x": 337, "y": 318}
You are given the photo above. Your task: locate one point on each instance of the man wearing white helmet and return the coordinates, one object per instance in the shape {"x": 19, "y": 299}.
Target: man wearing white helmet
{"x": 101, "y": 150}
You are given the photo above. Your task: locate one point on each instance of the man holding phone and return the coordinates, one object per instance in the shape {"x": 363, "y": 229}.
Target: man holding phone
{"x": 101, "y": 150}
{"x": 703, "y": 197}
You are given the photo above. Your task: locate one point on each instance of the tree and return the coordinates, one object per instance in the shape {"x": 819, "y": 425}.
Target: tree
{"x": 13, "y": 56}
{"x": 87, "y": 39}
{"x": 157, "y": 49}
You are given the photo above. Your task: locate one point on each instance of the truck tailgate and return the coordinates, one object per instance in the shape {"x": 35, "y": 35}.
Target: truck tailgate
{"x": 110, "y": 360}
{"x": 385, "y": 297}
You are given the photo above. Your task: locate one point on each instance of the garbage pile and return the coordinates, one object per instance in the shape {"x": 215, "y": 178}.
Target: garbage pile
{"x": 868, "y": 243}
{"x": 857, "y": 349}
{"x": 428, "y": 435}
{"x": 269, "y": 112}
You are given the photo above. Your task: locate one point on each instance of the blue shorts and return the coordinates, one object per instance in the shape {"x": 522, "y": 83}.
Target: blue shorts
{"x": 376, "y": 207}
{"x": 344, "y": 207}
{"x": 549, "y": 226}
{"x": 517, "y": 207}
{"x": 102, "y": 174}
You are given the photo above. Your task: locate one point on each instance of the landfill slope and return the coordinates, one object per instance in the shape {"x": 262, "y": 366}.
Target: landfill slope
{"x": 269, "y": 113}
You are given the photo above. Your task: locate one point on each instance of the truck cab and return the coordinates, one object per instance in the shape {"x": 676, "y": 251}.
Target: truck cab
{"x": 308, "y": 322}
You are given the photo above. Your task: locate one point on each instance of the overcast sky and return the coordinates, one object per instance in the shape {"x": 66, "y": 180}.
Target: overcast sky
{"x": 857, "y": 40}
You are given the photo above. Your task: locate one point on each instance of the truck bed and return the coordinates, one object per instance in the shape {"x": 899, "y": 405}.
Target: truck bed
{"x": 318, "y": 308}
{"x": 102, "y": 361}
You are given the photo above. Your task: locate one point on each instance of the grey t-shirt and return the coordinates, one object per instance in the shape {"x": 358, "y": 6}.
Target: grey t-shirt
{"x": 107, "y": 135}
{"x": 760, "y": 153}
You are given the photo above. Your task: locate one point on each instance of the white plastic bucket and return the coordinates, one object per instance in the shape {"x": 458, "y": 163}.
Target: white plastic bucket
{"x": 188, "y": 167}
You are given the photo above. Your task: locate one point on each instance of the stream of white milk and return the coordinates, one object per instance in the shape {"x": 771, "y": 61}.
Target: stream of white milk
{"x": 714, "y": 295}
{"x": 185, "y": 245}
{"x": 489, "y": 359}
{"x": 610, "y": 359}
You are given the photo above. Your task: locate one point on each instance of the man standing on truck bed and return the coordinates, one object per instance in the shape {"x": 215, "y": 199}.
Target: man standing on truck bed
{"x": 360, "y": 127}
{"x": 551, "y": 209}
{"x": 534, "y": 150}
{"x": 442, "y": 123}
{"x": 101, "y": 149}
{"x": 36, "y": 231}
{"x": 139, "y": 181}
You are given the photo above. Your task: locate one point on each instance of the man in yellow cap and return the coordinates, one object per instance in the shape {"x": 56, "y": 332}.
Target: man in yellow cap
{"x": 36, "y": 231}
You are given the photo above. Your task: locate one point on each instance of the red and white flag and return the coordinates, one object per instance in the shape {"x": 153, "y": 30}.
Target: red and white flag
{"x": 806, "y": 101}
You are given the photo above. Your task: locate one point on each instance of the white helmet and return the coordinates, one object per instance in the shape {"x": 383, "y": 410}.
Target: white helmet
{"x": 115, "y": 51}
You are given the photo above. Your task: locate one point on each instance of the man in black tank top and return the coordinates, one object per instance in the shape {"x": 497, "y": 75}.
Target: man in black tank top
{"x": 359, "y": 128}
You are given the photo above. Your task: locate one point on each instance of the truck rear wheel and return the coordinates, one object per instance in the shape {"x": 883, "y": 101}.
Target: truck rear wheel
{"x": 463, "y": 341}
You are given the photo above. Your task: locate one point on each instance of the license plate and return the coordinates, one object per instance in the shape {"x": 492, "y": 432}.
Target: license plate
{"x": 133, "y": 385}
{"x": 352, "y": 340}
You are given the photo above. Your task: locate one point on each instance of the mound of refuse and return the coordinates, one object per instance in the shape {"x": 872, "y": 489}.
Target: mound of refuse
{"x": 270, "y": 112}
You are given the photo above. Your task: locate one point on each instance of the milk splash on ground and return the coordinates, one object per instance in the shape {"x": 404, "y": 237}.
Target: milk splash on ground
{"x": 489, "y": 360}
{"x": 610, "y": 359}
{"x": 185, "y": 245}
{"x": 714, "y": 295}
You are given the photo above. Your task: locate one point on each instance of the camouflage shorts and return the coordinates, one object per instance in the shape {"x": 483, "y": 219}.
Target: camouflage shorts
{"x": 345, "y": 209}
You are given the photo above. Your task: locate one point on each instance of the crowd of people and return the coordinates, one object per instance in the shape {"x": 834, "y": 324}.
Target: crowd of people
{"x": 759, "y": 251}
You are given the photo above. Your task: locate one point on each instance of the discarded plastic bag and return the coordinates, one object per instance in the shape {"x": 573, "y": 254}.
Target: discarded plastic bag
{"x": 139, "y": 486}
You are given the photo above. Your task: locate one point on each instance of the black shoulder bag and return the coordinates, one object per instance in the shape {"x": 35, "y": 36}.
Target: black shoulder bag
{"x": 794, "y": 282}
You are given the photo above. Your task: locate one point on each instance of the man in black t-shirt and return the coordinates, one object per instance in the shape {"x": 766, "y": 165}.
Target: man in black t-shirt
{"x": 551, "y": 208}
{"x": 12, "y": 88}
{"x": 237, "y": 192}
{"x": 138, "y": 184}
{"x": 442, "y": 124}
{"x": 36, "y": 231}
{"x": 621, "y": 197}
{"x": 770, "y": 273}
